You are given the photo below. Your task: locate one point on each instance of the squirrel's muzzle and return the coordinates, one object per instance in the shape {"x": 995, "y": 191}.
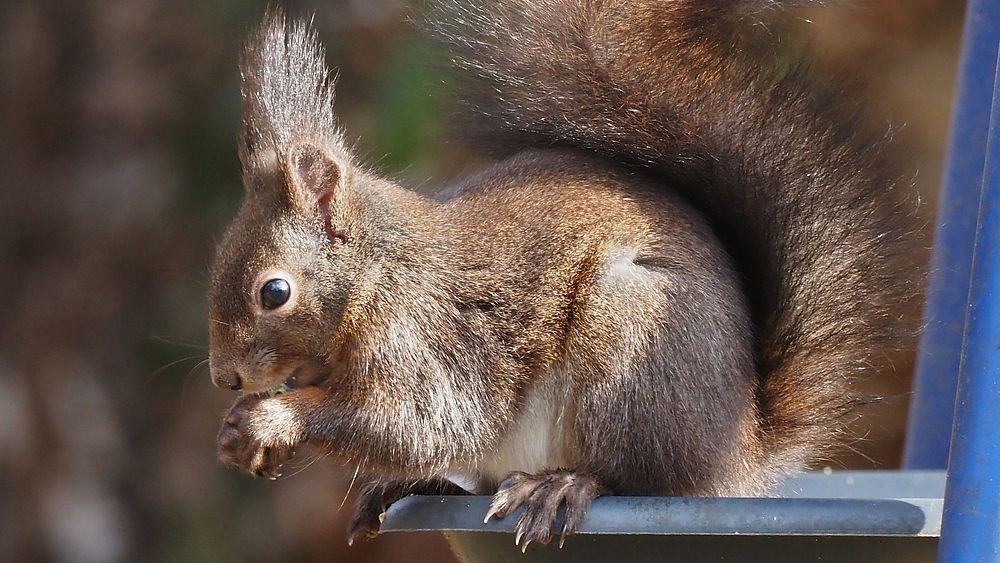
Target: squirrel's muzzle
{"x": 227, "y": 379}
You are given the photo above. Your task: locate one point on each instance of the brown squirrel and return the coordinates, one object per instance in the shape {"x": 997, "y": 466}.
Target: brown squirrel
{"x": 666, "y": 289}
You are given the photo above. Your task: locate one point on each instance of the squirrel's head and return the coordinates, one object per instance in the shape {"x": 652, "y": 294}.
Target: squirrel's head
{"x": 283, "y": 271}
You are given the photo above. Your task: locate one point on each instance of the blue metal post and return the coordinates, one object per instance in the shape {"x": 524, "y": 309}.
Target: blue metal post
{"x": 933, "y": 401}
{"x": 970, "y": 529}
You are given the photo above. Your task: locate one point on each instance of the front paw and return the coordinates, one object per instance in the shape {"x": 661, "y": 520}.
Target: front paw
{"x": 244, "y": 445}
{"x": 369, "y": 512}
{"x": 376, "y": 497}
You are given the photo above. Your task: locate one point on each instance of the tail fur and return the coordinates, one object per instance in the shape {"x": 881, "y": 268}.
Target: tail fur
{"x": 802, "y": 198}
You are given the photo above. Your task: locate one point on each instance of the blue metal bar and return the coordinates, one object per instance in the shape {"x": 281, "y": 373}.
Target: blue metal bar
{"x": 933, "y": 400}
{"x": 971, "y": 526}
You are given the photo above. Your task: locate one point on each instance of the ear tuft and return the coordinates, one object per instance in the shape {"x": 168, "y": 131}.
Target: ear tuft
{"x": 287, "y": 92}
{"x": 312, "y": 174}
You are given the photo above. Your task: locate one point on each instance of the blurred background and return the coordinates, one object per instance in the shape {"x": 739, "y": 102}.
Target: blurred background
{"x": 118, "y": 165}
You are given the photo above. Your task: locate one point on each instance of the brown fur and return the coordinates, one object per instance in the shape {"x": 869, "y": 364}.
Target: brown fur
{"x": 672, "y": 302}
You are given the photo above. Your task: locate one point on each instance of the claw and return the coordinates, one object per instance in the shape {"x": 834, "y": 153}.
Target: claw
{"x": 541, "y": 496}
{"x": 490, "y": 513}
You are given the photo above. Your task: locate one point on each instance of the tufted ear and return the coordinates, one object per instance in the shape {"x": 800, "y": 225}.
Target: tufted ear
{"x": 312, "y": 176}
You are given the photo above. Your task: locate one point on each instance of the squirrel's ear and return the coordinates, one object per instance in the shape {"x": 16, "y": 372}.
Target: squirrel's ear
{"x": 312, "y": 175}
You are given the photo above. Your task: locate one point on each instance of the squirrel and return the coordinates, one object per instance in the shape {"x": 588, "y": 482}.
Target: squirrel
{"x": 666, "y": 286}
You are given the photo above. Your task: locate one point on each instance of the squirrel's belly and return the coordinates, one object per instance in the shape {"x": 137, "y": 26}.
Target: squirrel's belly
{"x": 535, "y": 440}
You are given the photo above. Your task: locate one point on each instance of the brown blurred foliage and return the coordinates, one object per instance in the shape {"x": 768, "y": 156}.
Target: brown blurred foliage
{"x": 117, "y": 152}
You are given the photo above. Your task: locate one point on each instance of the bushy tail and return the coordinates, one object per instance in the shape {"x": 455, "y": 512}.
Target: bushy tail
{"x": 803, "y": 200}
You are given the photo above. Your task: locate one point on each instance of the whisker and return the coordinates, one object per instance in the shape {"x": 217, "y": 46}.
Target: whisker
{"x": 187, "y": 378}
{"x": 172, "y": 342}
{"x": 349, "y": 487}
{"x": 155, "y": 374}
{"x": 309, "y": 464}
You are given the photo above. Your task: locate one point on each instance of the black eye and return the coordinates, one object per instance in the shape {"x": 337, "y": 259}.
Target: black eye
{"x": 275, "y": 293}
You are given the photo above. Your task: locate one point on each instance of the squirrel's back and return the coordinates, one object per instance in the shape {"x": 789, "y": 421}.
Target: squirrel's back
{"x": 818, "y": 224}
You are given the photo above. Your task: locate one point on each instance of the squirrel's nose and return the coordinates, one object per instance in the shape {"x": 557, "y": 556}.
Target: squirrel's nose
{"x": 227, "y": 379}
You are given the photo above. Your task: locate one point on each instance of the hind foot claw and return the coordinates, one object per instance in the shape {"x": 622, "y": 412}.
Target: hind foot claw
{"x": 542, "y": 495}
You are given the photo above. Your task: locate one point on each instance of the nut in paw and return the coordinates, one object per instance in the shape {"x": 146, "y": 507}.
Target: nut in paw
{"x": 241, "y": 447}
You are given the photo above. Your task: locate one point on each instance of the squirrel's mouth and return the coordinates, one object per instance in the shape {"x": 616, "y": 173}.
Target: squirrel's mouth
{"x": 305, "y": 375}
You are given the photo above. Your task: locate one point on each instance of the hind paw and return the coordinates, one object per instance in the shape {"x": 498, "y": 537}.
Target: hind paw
{"x": 541, "y": 496}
